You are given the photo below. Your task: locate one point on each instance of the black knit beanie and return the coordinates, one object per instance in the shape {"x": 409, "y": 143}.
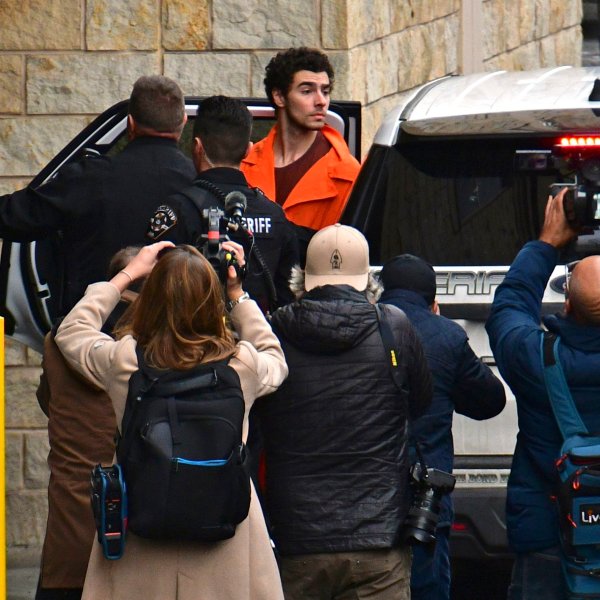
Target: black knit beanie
{"x": 409, "y": 272}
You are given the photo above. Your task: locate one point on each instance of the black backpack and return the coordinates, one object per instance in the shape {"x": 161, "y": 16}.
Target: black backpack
{"x": 182, "y": 454}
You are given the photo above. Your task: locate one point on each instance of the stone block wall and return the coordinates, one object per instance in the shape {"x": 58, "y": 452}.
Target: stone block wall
{"x": 61, "y": 63}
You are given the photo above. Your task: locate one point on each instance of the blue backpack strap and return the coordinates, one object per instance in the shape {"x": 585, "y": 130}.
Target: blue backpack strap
{"x": 566, "y": 415}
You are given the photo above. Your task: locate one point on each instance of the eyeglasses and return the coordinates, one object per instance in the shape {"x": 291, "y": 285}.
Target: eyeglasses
{"x": 569, "y": 268}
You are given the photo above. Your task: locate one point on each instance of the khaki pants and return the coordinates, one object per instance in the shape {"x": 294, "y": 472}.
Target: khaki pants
{"x": 382, "y": 574}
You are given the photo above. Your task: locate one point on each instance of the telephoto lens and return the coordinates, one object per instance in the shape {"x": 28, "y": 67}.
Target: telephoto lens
{"x": 429, "y": 486}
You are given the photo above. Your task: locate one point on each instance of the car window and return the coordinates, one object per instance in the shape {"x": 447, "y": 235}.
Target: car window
{"x": 260, "y": 128}
{"x": 460, "y": 202}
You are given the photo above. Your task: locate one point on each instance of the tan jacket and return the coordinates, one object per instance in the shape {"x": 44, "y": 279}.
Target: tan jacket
{"x": 241, "y": 568}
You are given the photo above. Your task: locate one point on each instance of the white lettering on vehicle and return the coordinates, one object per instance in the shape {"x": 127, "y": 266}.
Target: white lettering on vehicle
{"x": 480, "y": 282}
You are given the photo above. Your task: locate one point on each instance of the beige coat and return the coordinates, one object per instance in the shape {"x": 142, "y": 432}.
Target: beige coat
{"x": 242, "y": 567}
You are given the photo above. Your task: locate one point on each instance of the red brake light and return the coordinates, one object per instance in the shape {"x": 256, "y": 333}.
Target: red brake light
{"x": 579, "y": 141}
{"x": 460, "y": 527}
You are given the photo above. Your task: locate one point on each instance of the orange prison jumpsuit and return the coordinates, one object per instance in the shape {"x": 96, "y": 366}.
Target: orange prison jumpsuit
{"x": 320, "y": 196}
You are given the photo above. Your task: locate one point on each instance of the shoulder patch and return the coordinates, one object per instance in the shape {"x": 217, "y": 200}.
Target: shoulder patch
{"x": 163, "y": 219}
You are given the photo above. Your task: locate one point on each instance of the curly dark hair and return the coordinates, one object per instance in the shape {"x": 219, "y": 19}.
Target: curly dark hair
{"x": 280, "y": 71}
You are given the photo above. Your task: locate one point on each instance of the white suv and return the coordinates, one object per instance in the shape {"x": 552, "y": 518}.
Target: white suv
{"x": 459, "y": 174}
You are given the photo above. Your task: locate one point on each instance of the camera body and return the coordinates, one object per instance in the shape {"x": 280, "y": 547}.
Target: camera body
{"x": 581, "y": 203}
{"x": 217, "y": 222}
{"x": 582, "y": 199}
{"x": 211, "y": 242}
{"x": 429, "y": 485}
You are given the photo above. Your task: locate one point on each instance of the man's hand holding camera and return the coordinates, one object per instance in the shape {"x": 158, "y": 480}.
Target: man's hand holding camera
{"x": 556, "y": 229}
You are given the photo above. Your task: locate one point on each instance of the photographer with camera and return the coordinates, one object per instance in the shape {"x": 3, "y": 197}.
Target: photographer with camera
{"x": 461, "y": 383}
{"x": 335, "y": 433}
{"x": 166, "y": 333}
{"x": 220, "y": 198}
{"x": 516, "y": 338}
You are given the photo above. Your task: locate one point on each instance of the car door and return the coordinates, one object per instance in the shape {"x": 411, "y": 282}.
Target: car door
{"x": 31, "y": 277}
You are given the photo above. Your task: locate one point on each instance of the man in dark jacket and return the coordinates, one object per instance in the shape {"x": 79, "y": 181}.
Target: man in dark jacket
{"x": 336, "y": 431}
{"x": 99, "y": 205}
{"x": 222, "y": 131}
{"x": 461, "y": 383}
{"x": 515, "y": 337}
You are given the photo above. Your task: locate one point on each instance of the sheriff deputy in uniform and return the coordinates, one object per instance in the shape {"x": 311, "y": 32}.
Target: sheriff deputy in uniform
{"x": 222, "y": 131}
{"x": 102, "y": 203}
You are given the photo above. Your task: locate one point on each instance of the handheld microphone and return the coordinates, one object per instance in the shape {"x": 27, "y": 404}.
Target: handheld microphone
{"x": 235, "y": 206}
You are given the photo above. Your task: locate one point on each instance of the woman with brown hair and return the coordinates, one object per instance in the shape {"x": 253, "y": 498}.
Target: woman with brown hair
{"x": 179, "y": 322}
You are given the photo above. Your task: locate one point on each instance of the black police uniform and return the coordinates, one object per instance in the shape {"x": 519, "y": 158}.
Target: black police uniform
{"x": 100, "y": 205}
{"x": 273, "y": 234}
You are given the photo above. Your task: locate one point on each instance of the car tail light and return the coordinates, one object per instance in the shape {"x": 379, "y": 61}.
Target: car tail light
{"x": 579, "y": 141}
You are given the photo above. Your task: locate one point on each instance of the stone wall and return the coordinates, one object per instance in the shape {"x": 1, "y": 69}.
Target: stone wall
{"x": 63, "y": 62}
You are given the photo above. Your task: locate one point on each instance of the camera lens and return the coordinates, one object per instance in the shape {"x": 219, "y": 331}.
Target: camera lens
{"x": 422, "y": 517}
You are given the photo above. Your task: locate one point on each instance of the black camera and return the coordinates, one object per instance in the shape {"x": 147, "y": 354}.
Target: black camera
{"x": 217, "y": 222}
{"x": 109, "y": 505}
{"x": 582, "y": 199}
{"x": 210, "y": 245}
{"x": 429, "y": 485}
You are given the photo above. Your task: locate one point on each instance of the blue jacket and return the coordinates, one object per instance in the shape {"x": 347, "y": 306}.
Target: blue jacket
{"x": 461, "y": 383}
{"x": 515, "y": 335}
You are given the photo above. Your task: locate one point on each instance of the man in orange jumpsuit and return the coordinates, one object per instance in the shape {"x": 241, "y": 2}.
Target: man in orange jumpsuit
{"x": 303, "y": 164}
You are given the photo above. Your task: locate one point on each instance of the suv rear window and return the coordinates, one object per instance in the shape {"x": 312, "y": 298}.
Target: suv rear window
{"x": 456, "y": 201}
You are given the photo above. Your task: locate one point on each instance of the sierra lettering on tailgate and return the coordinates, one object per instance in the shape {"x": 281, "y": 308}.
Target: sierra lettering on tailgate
{"x": 471, "y": 282}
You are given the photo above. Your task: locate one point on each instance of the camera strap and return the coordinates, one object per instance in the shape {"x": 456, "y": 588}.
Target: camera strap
{"x": 389, "y": 345}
